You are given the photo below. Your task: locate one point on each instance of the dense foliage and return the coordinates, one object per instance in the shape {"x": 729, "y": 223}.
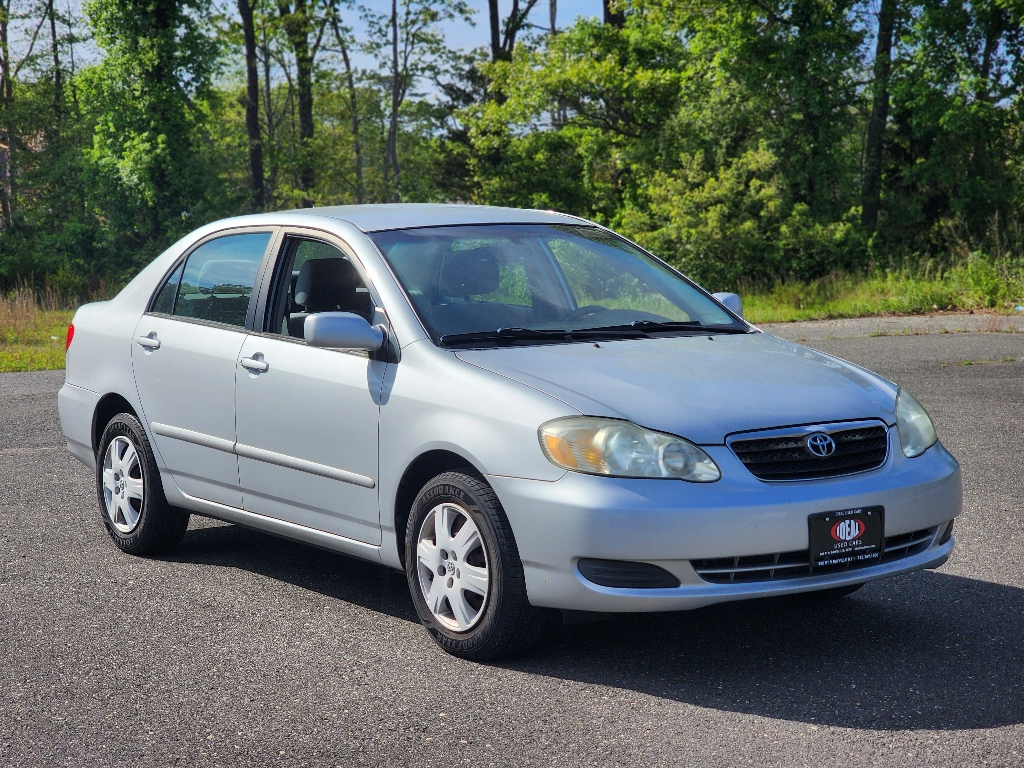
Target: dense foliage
{"x": 747, "y": 141}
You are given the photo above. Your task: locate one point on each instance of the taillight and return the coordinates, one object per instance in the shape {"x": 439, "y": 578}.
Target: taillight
{"x": 71, "y": 335}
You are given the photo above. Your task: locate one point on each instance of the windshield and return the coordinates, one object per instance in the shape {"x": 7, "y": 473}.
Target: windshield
{"x": 529, "y": 282}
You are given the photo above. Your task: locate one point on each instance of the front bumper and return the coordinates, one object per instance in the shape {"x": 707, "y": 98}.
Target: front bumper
{"x": 669, "y": 523}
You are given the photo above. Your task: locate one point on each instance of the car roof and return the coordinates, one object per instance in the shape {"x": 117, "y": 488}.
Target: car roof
{"x": 375, "y": 218}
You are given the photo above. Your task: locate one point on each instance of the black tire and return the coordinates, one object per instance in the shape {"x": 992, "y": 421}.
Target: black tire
{"x": 509, "y": 624}
{"x": 160, "y": 526}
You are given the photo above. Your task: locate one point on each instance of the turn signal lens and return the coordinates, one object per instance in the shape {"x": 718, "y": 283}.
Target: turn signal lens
{"x": 917, "y": 433}
{"x": 559, "y": 451}
{"x": 617, "y": 448}
{"x": 71, "y": 335}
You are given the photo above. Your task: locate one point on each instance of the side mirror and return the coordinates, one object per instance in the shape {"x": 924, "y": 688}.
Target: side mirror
{"x": 732, "y": 302}
{"x": 342, "y": 330}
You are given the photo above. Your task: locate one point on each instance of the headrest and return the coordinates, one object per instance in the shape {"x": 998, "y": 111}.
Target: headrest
{"x": 237, "y": 273}
{"x": 326, "y": 282}
{"x": 472, "y": 272}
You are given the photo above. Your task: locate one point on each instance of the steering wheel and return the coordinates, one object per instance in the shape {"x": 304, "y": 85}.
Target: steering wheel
{"x": 587, "y": 311}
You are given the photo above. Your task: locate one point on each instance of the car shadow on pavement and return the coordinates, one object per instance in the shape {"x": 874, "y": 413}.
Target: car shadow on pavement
{"x": 328, "y": 573}
{"x": 925, "y": 651}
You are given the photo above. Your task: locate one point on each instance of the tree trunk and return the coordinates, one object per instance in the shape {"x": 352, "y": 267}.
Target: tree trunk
{"x": 616, "y": 18}
{"x": 979, "y": 155}
{"x": 871, "y": 188}
{"x": 515, "y": 22}
{"x": 270, "y": 177}
{"x": 6, "y": 98}
{"x": 58, "y": 86}
{"x": 353, "y": 105}
{"x": 297, "y": 27}
{"x": 71, "y": 56}
{"x": 502, "y": 47}
{"x": 495, "y": 19}
{"x": 252, "y": 106}
{"x": 392, "y": 149}
{"x": 58, "y": 97}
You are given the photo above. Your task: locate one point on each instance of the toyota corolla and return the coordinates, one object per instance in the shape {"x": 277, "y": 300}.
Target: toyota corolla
{"x": 521, "y": 409}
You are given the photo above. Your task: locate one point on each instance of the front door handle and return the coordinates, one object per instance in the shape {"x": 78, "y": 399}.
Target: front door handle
{"x": 149, "y": 342}
{"x": 253, "y": 364}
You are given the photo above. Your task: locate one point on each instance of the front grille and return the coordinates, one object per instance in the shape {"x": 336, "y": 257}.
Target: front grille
{"x": 794, "y": 565}
{"x": 858, "y": 449}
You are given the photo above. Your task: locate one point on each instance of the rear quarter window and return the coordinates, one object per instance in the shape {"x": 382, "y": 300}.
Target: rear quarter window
{"x": 164, "y": 301}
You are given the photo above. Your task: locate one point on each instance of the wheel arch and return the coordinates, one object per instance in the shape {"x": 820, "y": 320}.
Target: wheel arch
{"x": 107, "y": 408}
{"x": 421, "y": 471}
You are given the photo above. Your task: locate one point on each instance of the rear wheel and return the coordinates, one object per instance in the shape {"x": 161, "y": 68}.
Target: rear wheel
{"x": 131, "y": 497}
{"x": 464, "y": 571}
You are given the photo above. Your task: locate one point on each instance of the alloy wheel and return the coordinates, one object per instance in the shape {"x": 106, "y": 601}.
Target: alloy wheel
{"x": 123, "y": 489}
{"x": 452, "y": 567}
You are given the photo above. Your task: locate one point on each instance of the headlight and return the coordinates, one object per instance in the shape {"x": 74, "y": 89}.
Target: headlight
{"x": 917, "y": 434}
{"x": 621, "y": 449}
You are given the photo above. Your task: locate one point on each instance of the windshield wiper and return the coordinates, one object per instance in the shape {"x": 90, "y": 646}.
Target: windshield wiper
{"x": 638, "y": 329}
{"x": 653, "y": 326}
{"x": 515, "y": 334}
{"x": 503, "y": 335}
{"x": 641, "y": 328}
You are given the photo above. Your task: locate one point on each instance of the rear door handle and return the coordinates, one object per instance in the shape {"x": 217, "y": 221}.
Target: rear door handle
{"x": 253, "y": 364}
{"x": 150, "y": 342}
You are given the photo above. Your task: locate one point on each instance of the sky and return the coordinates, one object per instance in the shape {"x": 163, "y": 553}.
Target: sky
{"x": 462, "y": 35}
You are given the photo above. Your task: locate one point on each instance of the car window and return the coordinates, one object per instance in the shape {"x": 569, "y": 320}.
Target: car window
{"x": 218, "y": 278}
{"x": 314, "y": 276}
{"x": 164, "y": 301}
{"x": 468, "y": 280}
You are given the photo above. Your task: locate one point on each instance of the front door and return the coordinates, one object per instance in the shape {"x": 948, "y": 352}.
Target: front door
{"x": 307, "y": 418}
{"x": 184, "y": 355}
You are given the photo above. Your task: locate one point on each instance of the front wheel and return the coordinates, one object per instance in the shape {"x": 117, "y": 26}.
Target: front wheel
{"x": 464, "y": 571}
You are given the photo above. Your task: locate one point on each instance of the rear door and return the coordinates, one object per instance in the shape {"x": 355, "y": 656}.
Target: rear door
{"x": 307, "y": 418}
{"x": 185, "y": 356}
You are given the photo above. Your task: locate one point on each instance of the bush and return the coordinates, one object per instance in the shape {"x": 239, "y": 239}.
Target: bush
{"x": 737, "y": 223}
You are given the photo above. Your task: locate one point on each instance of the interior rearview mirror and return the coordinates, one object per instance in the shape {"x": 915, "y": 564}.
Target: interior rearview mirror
{"x": 342, "y": 330}
{"x": 732, "y": 302}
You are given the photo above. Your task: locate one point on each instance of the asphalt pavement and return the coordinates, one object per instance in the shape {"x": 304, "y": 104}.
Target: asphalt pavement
{"x": 242, "y": 649}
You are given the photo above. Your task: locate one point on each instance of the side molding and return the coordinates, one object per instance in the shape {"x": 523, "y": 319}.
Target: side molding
{"x": 260, "y": 454}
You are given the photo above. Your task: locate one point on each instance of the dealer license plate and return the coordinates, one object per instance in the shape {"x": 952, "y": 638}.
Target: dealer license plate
{"x": 846, "y": 536}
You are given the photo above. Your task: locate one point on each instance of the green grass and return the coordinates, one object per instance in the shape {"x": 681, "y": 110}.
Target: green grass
{"x": 977, "y": 284}
{"x": 983, "y": 362}
{"x": 32, "y": 332}
{"x": 31, "y": 357}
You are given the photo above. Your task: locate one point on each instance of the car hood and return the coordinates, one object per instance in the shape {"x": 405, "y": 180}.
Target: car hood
{"x": 698, "y": 387}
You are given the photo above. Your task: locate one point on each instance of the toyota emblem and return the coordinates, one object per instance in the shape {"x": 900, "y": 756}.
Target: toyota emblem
{"x": 821, "y": 445}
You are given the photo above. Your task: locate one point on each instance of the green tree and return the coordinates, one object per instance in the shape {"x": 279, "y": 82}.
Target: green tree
{"x": 956, "y": 124}
{"x": 578, "y": 125}
{"x": 148, "y": 166}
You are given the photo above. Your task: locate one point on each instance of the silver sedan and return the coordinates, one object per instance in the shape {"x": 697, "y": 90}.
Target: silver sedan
{"x": 520, "y": 409}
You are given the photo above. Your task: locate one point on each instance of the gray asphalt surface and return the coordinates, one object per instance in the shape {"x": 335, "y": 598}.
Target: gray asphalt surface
{"x": 243, "y": 649}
